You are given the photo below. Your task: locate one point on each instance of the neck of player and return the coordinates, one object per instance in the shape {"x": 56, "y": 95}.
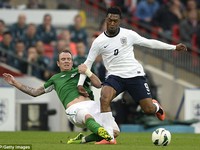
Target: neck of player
{"x": 112, "y": 33}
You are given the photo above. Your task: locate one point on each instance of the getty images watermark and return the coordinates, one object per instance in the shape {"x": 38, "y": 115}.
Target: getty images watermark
{"x": 15, "y": 146}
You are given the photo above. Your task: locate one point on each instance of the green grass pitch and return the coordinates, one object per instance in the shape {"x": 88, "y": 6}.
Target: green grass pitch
{"x": 126, "y": 141}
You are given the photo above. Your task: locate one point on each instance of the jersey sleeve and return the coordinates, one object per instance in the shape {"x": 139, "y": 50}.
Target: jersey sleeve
{"x": 94, "y": 51}
{"x": 150, "y": 43}
{"x": 49, "y": 85}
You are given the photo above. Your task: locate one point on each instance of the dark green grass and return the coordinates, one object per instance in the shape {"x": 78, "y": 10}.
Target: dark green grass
{"x": 126, "y": 141}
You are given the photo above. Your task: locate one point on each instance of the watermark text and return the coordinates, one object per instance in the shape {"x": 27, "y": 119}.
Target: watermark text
{"x": 15, "y": 147}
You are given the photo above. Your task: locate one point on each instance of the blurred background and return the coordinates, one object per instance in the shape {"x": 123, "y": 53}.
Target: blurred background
{"x": 32, "y": 32}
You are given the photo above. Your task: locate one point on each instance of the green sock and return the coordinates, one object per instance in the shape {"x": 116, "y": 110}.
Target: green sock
{"x": 93, "y": 137}
{"x": 92, "y": 125}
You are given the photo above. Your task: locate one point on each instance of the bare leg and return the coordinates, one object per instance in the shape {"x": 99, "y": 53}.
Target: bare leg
{"x": 147, "y": 106}
{"x": 150, "y": 106}
{"x": 107, "y": 95}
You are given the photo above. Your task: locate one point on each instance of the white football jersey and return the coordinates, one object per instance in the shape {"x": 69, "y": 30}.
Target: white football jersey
{"x": 118, "y": 55}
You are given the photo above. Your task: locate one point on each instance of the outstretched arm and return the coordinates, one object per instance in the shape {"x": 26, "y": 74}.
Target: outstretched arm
{"x": 83, "y": 69}
{"x": 155, "y": 44}
{"x": 26, "y": 89}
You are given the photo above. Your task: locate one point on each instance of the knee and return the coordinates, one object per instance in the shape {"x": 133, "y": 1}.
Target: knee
{"x": 105, "y": 99}
{"x": 87, "y": 116}
{"x": 149, "y": 109}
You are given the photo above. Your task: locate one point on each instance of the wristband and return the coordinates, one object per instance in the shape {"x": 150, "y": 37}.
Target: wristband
{"x": 88, "y": 73}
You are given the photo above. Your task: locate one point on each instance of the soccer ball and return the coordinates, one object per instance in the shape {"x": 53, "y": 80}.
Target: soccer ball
{"x": 161, "y": 137}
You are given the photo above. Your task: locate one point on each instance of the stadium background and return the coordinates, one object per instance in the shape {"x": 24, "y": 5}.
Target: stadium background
{"x": 170, "y": 73}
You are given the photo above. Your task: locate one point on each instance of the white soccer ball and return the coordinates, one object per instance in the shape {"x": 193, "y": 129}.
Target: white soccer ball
{"x": 161, "y": 137}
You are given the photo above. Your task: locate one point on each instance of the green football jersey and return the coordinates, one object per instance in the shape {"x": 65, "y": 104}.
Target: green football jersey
{"x": 65, "y": 85}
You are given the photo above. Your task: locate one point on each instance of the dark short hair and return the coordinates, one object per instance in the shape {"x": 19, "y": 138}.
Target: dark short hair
{"x": 7, "y": 32}
{"x": 31, "y": 24}
{"x": 19, "y": 41}
{"x": 64, "y": 51}
{"x": 47, "y": 15}
{"x": 1, "y": 21}
{"x": 114, "y": 10}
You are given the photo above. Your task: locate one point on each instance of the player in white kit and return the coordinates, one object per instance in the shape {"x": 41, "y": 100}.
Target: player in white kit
{"x": 125, "y": 73}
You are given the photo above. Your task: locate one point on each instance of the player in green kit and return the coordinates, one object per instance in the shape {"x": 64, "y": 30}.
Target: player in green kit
{"x": 81, "y": 111}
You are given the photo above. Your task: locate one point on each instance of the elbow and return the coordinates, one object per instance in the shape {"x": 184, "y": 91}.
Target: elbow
{"x": 34, "y": 95}
{"x": 98, "y": 85}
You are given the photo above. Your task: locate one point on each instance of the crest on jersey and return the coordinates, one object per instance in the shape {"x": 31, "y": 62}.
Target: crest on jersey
{"x": 123, "y": 40}
{"x": 73, "y": 74}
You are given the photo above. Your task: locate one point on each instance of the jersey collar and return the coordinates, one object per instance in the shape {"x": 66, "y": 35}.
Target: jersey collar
{"x": 112, "y": 35}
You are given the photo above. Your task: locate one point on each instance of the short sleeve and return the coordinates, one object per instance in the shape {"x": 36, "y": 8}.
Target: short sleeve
{"x": 49, "y": 85}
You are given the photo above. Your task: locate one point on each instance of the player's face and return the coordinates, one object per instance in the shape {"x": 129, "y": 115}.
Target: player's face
{"x": 65, "y": 62}
{"x": 112, "y": 22}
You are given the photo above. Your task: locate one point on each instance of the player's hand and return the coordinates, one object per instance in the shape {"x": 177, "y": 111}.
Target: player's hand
{"x": 181, "y": 47}
{"x": 9, "y": 78}
{"x": 82, "y": 91}
{"x": 82, "y": 68}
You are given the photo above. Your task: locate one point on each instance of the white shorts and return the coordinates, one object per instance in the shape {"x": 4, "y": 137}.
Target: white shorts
{"x": 76, "y": 113}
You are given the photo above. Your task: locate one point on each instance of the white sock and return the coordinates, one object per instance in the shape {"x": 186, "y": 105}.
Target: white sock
{"x": 157, "y": 107}
{"x": 107, "y": 122}
{"x": 83, "y": 140}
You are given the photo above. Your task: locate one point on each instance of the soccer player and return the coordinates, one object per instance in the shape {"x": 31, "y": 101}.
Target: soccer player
{"x": 125, "y": 73}
{"x": 81, "y": 111}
